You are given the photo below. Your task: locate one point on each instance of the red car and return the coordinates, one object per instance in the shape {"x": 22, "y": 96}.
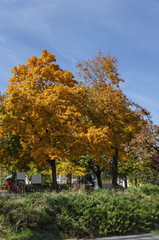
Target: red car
{"x": 9, "y": 180}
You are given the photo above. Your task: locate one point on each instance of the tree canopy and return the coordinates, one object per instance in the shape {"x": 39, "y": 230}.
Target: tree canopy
{"x": 49, "y": 117}
{"x": 40, "y": 108}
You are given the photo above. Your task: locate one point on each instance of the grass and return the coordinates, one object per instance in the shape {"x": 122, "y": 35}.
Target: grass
{"x": 32, "y": 235}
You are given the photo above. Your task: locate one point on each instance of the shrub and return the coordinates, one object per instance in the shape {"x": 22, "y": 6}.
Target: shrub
{"x": 84, "y": 214}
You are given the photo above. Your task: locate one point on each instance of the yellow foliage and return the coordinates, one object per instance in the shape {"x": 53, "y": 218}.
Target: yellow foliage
{"x": 66, "y": 167}
{"x": 59, "y": 119}
{"x": 42, "y": 107}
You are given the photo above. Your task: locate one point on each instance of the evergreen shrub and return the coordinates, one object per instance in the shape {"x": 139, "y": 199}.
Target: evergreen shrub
{"x": 84, "y": 214}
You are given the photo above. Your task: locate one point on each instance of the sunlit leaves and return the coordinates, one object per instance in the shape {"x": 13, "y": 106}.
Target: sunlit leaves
{"x": 58, "y": 118}
{"x": 41, "y": 107}
{"x": 100, "y": 70}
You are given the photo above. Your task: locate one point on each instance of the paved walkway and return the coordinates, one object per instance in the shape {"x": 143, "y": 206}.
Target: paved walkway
{"x": 132, "y": 237}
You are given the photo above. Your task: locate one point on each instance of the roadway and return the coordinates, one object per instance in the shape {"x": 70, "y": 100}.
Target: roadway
{"x": 132, "y": 237}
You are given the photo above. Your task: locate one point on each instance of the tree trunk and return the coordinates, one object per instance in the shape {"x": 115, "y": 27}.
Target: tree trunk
{"x": 69, "y": 180}
{"x": 126, "y": 182}
{"x": 99, "y": 181}
{"x": 136, "y": 182}
{"x": 54, "y": 179}
{"x": 115, "y": 169}
{"x": 79, "y": 182}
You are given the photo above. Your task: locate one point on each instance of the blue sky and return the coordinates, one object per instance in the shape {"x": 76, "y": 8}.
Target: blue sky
{"x": 76, "y": 29}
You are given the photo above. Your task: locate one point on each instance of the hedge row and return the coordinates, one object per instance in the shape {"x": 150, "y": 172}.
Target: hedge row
{"x": 84, "y": 214}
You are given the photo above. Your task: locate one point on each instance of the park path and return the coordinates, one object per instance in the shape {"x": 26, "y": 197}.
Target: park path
{"x": 132, "y": 237}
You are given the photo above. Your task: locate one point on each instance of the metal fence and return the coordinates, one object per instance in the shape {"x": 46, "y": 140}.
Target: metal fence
{"x": 21, "y": 189}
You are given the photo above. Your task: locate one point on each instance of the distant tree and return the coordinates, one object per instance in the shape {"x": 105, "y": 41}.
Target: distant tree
{"x": 112, "y": 120}
{"x": 144, "y": 147}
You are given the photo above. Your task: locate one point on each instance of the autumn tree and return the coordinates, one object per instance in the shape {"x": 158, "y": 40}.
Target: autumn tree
{"x": 92, "y": 167}
{"x": 40, "y": 108}
{"x": 10, "y": 146}
{"x": 143, "y": 149}
{"x": 145, "y": 143}
{"x": 69, "y": 170}
{"x": 111, "y": 118}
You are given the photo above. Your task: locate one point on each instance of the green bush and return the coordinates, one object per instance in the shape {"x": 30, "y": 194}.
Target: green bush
{"x": 84, "y": 214}
{"x": 149, "y": 189}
